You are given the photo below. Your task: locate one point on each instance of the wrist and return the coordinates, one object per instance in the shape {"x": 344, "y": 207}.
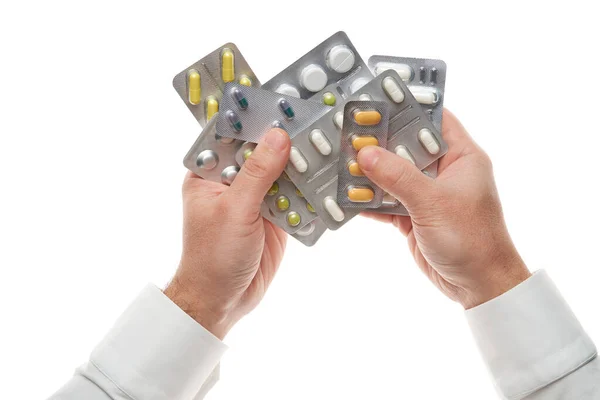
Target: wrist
{"x": 501, "y": 276}
{"x": 213, "y": 319}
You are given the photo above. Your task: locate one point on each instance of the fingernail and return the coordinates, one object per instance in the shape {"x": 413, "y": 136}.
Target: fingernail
{"x": 276, "y": 139}
{"x": 368, "y": 157}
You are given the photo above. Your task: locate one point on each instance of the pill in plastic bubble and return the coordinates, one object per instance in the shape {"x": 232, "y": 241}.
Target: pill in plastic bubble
{"x": 277, "y": 124}
{"x": 354, "y": 169}
{"x": 404, "y": 70}
{"x": 433, "y": 76}
{"x": 360, "y": 194}
{"x": 393, "y": 90}
{"x": 194, "y": 89}
{"x": 207, "y": 159}
{"x": 365, "y": 97}
{"x": 403, "y": 152}
{"x": 318, "y": 139}
{"x": 389, "y": 201}
{"x": 293, "y": 218}
{"x": 340, "y": 59}
{"x": 332, "y": 207}
{"x": 245, "y": 80}
{"x": 299, "y": 193}
{"x": 329, "y": 99}
{"x": 287, "y": 109}
{"x": 274, "y": 189}
{"x": 239, "y": 98}
{"x": 212, "y": 107}
{"x": 310, "y": 208}
{"x": 306, "y": 229}
{"x": 424, "y": 95}
{"x": 283, "y": 203}
{"x": 358, "y": 142}
{"x": 234, "y": 121}
{"x": 288, "y": 90}
{"x": 227, "y": 65}
{"x": 338, "y": 119}
{"x": 422, "y": 73}
{"x": 247, "y": 154}
{"x": 229, "y": 174}
{"x": 357, "y": 84}
{"x": 297, "y": 159}
{"x": 428, "y": 141}
{"x": 313, "y": 78}
{"x": 366, "y": 117}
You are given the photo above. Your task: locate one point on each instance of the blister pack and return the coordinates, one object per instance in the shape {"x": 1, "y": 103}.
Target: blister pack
{"x": 284, "y": 200}
{"x": 409, "y": 131}
{"x": 365, "y": 124}
{"x": 219, "y": 159}
{"x": 308, "y": 235}
{"x": 335, "y": 60}
{"x": 247, "y": 113}
{"x": 200, "y": 86}
{"x": 425, "y": 78}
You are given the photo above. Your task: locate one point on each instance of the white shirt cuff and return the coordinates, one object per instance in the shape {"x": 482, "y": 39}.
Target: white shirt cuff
{"x": 156, "y": 351}
{"x": 529, "y": 337}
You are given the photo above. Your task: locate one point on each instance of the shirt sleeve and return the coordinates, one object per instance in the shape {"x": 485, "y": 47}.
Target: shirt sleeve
{"x": 533, "y": 345}
{"x": 155, "y": 351}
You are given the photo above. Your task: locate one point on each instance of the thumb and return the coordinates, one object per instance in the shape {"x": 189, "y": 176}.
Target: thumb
{"x": 395, "y": 175}
{"x": 261, "y": 169}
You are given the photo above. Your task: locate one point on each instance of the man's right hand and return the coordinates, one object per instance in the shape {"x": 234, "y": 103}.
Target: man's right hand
{"x": 456, "y": 230}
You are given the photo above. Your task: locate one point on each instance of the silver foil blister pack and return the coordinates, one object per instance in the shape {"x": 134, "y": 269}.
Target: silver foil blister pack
{"x": 308, "y": 235}
{"x": 247, "y": 113}
{"x": 200, "y": 86}
{"x": 365, "y": 124}
{"x": 335, "y": 60}
{"x": 218, "y": 159}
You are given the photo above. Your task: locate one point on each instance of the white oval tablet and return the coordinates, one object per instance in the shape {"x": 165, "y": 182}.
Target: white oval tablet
{"x": 333, "y": 209}
{"x": 357, "y": 84}
{"x": 318, "y": 139}
{"x": 338, "y": 119}
{"x": 289, "y": 90}
{"x": 313, "y": 78}
{"x": 424, "y": 95}
{"x": 403, "y": 152}
{"x": 404, "y": 70}
{"x": 429, "y": 141}
{"x": 392, "y": 89}
{"x": 298, "y": 160}
{"x": 340, "y": 59}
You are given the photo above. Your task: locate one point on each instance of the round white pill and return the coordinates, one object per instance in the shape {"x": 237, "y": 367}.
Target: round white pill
{"x": 313, "y": 78}
{"x": 288, "y": 90}
{"x": 340, "y": 59}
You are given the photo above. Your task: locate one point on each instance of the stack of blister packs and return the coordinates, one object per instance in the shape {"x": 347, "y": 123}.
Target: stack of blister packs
{"x": 331, "y": 104}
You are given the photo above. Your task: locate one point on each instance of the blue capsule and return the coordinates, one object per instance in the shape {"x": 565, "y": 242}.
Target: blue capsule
{"x": 234, "y": 121}
{"x": 240, "y": 99}
{"x": 286, "y": 108}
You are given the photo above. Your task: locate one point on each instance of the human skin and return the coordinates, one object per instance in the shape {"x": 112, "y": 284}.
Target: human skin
{"x": 456, "y": 230}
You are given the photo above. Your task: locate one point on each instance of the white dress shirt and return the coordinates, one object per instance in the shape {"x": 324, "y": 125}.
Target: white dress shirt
{"x": 531, "y": 342}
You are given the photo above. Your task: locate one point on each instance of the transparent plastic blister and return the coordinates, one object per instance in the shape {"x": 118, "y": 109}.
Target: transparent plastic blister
{"x": 248, "y": 113}
{"x": 335, "y": 60}
{"x": 200, "y": 86}
{"x": 214, "y": 158}
{"x": 365, "y": 124}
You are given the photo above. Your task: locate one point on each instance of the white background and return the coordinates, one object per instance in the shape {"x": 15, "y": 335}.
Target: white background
{"x": 92, "y": 141}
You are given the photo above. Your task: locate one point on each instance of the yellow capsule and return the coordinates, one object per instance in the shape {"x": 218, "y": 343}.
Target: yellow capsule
{"x": 194, "y": 91}
{"x": 371, "y": 117}
{"x": 244, "y": 80}
{"x": 227, "y": 65}
{"x": 358, "y": 142}
{"x": 212, "y": 107}
{"x": 354, "y": 169}
{"x": 360, "y": 194}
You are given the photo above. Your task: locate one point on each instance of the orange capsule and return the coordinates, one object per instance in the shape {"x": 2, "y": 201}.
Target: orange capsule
{"x": 358, "y": 142}
{"x": 360, "y": 194}
{"x": 354, "y": 169}
{"x": 366, "y": 118}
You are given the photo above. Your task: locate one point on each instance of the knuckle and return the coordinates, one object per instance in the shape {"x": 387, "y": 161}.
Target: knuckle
{"x": 256, "y": 168}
